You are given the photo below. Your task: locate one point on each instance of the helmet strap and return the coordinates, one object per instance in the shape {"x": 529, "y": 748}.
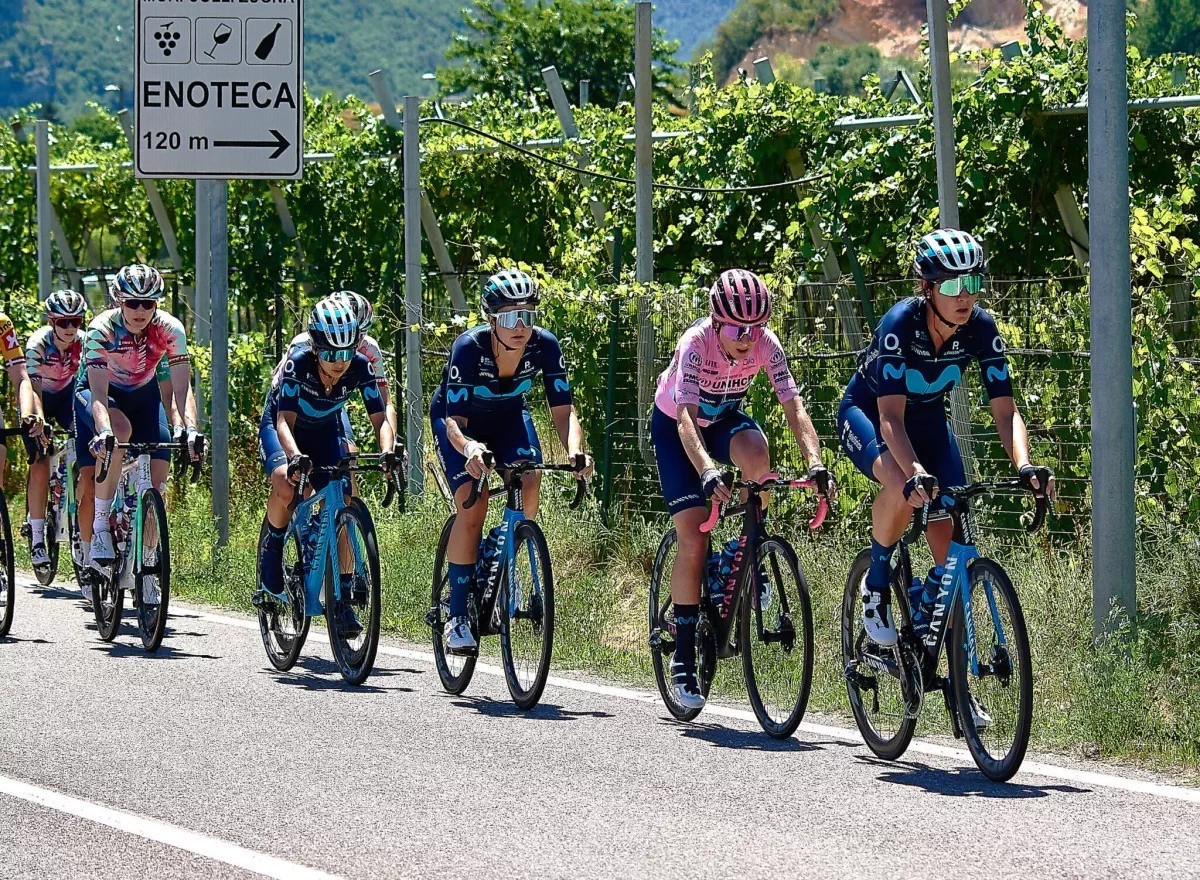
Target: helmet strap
{"x": 930, "y": 293}
{"x": 496, "y": 338}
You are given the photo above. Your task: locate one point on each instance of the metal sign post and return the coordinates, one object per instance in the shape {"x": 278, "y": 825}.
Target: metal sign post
{"x": 219, "y": 91}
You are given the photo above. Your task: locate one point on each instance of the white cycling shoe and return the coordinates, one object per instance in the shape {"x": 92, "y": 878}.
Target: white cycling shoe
{"x": 979, "y": 715}
{"x": 39, "y": 556}
{"x": 877, "y": 617}
{"x": 102, "y": 549}
{"x": 685, "y": 689}
{"x": 457, "y": 636}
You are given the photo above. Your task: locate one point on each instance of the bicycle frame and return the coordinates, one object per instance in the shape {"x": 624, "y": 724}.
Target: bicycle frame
{"x": 332, "y": 498}
{"x": 138, "y": 471}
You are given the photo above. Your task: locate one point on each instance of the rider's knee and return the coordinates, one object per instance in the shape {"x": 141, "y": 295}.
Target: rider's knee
{"x": 281, "y": 486}
{"x": 753, "y": 454}
{"x": 692, "y": 542}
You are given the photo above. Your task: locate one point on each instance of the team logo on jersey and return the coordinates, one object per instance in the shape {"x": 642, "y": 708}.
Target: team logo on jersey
{"x": 457, "y": 395}
{"x": 695, "y": 359}
{"x": 891, "y": 342}
{"x": 289, "y": 367}
{"x": 998, "y": 345}
{"x": 777, "y": 356}
{"x": 455, "y": 374}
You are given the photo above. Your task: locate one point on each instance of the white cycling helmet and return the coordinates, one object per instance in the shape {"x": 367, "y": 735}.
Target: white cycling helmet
{"x": 333, "y": 325}
{"x": 362, "y": 308}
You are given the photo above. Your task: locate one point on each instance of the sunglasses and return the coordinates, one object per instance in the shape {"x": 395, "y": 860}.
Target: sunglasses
{"x": 968, "y": 284}
{"x": 64, "y": 323}
{"x": 148, "y": 305}
{"x": 510, "y": 320}
{"x": 335, "y": 355}
{"x": 735, "y": 333}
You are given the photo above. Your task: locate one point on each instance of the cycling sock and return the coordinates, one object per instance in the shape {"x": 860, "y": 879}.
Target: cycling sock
{"x": 685, "y": 635}
{"x": 38, "y": 529}
{"x": 462, "y": 576}
{"x": 273, "y": 539}
{"x": 100, "y": 518}
{"x": 881, "y": 560}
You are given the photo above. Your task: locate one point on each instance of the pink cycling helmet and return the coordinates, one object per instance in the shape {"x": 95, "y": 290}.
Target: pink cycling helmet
{"x": 740, "y": 297}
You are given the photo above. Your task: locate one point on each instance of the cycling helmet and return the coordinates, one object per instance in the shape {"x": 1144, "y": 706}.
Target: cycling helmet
{"x": 948, "y": 253}
{"x": 509, "y": 287}
{"x": 66, "y": 304}
{"x": 362, "y": 307}
{"x": 333, "y": 325}
{"x": 740, "y": 297}
{"x": 136, "y": 281}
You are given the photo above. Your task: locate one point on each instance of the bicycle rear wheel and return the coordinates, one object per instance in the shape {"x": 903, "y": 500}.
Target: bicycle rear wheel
{"x": 284, "y": 627}
{"x": 527, "y": 616}
{"x": 877, "y": 696}
{"x": 44, "y": 574}
{"x": 662, "y": 632}
{"x": 152, "y": 582}
{"x": 995, "y": 707}
{"x": 776, "y": 637}
{"x": 8, "y": 573}
{"x": 455, "y": 670}
{"x": 353, "y": 616}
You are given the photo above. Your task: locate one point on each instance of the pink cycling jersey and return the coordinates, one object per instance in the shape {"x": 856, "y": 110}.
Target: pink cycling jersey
{"x": 131, "y": 360}
{"x": 368, "y": 348}
{"x": 47, "y": 363}
{"x": 702, "y": 375}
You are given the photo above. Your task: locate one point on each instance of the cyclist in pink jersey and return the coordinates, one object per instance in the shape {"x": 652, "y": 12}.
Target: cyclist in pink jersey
{"x": 117, "y": 394}
{"x": 698, "y": 422}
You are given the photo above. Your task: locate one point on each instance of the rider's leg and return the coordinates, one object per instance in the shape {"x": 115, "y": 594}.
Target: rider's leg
{"x": 463, "y": 548}
{"x": 940, "y": 454}
{"x": 748, "y": 450}
{"x": 37, "y": 487}
{"x": 3, "y": 452}
{"x": 271, "y": 550}
{"x": 520, "y": 443}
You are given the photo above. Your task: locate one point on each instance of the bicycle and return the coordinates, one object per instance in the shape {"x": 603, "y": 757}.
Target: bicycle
{"x": 976, "y": 597}
{"x": 328, "y": 533}
{"x": 755, "y": 616}
{"x": 141, "y": 546}
{"x": 8, "y": 566}
{"x": 62, "y": 510}
{"x": 507, "y": 600}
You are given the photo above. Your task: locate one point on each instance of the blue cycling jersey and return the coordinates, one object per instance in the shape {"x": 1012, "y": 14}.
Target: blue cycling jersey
{"x": 302, "y": 392}
{"x": 471, "y": 385}
{"x": 901, "y": 359}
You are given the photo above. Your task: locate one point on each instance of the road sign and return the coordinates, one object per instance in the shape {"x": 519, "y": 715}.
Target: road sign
{"x": 219, "y": 91}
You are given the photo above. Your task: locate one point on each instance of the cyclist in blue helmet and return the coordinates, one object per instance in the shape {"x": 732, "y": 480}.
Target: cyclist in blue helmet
{"x": 892, "y": 419}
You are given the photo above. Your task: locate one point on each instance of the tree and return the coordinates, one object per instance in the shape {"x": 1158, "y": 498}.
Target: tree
{"x": 511, "y": 41}
{"x": 1168, "y": 26}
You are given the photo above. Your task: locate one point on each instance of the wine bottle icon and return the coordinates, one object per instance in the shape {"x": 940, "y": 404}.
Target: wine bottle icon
{"x": 220, "y": 37}
{"x": 267, "y": 43}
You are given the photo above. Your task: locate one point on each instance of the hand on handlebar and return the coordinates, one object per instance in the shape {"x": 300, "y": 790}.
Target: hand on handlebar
{"x": 588, "y": 465}
{"x": 297, "y": 465}
{"x": 100, "y": 442}
{"x": 823, "y": 478}
{"x": 920, "y": 489}
{"x": 477, "y": 462}
{"x": 717, "y": 486}
{"x": 1039, "y": 480}
{"x": 34, "y": 424}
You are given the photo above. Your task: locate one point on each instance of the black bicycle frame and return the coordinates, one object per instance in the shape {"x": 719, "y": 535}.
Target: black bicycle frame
{"x": 745, "y": 563}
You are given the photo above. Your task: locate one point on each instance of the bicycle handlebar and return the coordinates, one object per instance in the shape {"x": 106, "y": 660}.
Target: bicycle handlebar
{"x": 523, "y": 467}
{"x": 920, "y": 519}
{"x": 770, "y": 483}
{"x": 180, "y": 446}
{"x": 366, "y": 462}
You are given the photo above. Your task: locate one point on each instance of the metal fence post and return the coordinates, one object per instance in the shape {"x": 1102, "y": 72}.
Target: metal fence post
{"x": 644, "y": 217}
{"x": 43, "y": 208}
{"x": 610, "y": 396}
{"x": 1113, "y": 441}
{"x": 200, "y": 308}
{"x": 414, "y": 409}
{"x": 219, "y": 280}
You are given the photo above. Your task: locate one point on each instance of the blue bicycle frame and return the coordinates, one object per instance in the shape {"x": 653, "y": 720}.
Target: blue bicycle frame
{"x": 318, "y": 541}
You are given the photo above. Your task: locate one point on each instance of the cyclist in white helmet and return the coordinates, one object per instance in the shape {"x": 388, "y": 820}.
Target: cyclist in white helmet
{"x": 698, "y": 424}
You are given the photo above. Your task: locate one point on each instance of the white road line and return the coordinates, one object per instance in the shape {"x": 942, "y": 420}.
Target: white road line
{"x": 172, "y": 835}
{"x": 922, "y": 747}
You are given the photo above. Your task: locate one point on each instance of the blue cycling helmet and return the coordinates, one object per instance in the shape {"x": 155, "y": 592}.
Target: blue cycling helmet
{"x": 948, "y": 253}
{"x": 510, "y": 287}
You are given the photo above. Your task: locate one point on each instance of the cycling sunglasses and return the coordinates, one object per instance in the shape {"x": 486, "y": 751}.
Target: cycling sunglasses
{"x": 509, "y": 320}
{"x": 68, "y": 322}
{"x": 736, "y": 333}
{"x": 148, "y": 305}
{"x": 334, "y": 355}
{"x": 968, "y": 284}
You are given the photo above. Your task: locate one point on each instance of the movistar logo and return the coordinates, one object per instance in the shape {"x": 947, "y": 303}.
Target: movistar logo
{"x": 371, "y": 392}
{"x": 917, "y": 384}
{"x": 457, "y": 396}
{"x": 561, "y": 385}
{"x": 463, "y": 579}
{"x": 532, "y": 453}
{"x": 892, "y": 372}
{"x": 290, "y": 390}
{"x": 997, "y": 374}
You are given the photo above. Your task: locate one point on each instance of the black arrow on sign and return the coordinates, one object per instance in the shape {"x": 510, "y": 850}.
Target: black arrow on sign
{"x": 280, "y": 144}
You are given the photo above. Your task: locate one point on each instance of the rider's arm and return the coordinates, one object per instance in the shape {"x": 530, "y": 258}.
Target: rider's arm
{"x": 284, "y": 423}
{"x": 185, "y": 400}
{"x": 1013, "y": 435}
{"x": 803, "y": 430}
{"x": 98, "y": 385}
{"x": 383, "y": 431}
{"x": 28, "y": 402}
{"x": 788, "y": 394}
{"x": 891, "y": 426}
{"x": 372, "y": 398}
{"x": 570, "y": 432}
{"x": 693, "y": 443}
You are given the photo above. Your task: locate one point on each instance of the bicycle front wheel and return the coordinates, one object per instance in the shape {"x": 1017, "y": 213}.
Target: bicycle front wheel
{"x": 8, "y": 573}
{"x": 284, "y": 627}
{"x": 454, "y": 670}
{"x": 776, "y": 636}
{"x": 152, "y": 581}
{"x": 352, "y": 611}
{"x": 108, "y": 600}
{"x": 995, "y": 703}
{"x": 527, "y": 616}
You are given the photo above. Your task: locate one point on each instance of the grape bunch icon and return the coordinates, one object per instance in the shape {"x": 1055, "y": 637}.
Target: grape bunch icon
{"x": 167, "y": 38}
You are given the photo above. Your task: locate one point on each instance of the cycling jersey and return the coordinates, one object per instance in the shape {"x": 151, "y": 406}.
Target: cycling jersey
{"x": 132, "y": 361}
{"x": 901, "y": 359}
{"x": 702, "y": 375}
{"x": 10, "y": 346}
{"x": 471, "y": 385}
{"x": 49, "y": 364}
{"x": 301, "y": 391}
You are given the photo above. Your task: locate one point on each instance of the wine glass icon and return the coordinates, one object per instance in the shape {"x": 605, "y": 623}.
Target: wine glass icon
{"x": 220, "y": 37}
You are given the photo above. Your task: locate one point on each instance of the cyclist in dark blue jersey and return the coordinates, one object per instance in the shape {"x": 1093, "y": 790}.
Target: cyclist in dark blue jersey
{"x": 892, "y": 419}
{"x": 480, "y": 407}
{"x": 305, "y": 427}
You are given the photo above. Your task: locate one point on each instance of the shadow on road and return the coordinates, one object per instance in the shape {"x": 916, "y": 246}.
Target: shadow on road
{"x": 732, "y": 738}
{"x": 8, "y": 639}
{"x": 55, "y": 593}
{"x": 165, "y": 651}
{"x": 542, "y": 712}
{"x": 962, "y": 781}
{"x": 323, "y": 675}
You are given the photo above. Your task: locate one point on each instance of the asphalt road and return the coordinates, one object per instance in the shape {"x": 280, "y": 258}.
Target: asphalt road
{"x": 203, "y": 762}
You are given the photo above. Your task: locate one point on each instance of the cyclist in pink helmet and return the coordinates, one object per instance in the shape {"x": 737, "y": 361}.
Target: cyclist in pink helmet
{"x": 698, "y": 424}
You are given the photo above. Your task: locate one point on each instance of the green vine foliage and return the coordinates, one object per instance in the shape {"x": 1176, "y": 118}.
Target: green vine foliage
{"x": 874, "y": 191}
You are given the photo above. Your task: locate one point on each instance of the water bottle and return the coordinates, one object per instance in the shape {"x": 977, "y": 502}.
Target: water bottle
{"x": 721, "y": 582}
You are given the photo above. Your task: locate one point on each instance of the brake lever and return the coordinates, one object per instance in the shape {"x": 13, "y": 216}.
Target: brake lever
{"x": 919, "y": 522}
{"x": 199, "y": 458}
{"x": 477, "y": 486}
{"x": 580, "y": 484}
{"x": 298, "y": 492}
{"x": 110, "y": 445}
{"x": 1041, "y": 506}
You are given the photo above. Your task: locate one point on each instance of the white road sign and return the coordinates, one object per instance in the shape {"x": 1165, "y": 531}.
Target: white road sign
{"x": 219, "y": 88}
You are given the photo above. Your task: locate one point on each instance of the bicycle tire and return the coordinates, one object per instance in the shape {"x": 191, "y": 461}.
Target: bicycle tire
{"x": 354, "y": 663}
{"x": 45, "y": 574}
{"x": 527, "y": 697}
{"x": 794, "y": 621}
{"x": 996, "y": 769}
{"x": 108, "y": 601}
{"x": 8, "y": 589}
{"x": 73, "y": 539}
{"x": 659, "y": 609}
{"x": 889, "y": 747}
{"x": 439, "y": 603}
{"x": 152, "y": 619}
{"x": 283, "y": 649}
